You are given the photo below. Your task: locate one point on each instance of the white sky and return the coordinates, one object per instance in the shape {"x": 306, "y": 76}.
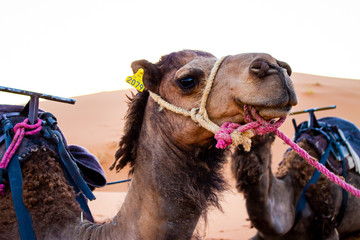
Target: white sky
{"x": 75, "y": 47}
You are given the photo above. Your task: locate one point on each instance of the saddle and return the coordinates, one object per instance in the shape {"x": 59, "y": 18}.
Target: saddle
{"x": 346, "y": 142}
{"x": 87, "y": 163}
{"x": 82, "y": 169}
{"x": 337, "y": 141}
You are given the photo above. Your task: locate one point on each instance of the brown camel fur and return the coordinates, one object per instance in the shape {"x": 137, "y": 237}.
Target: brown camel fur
{"x": 271, "y": 199}
{"x": 176, "y": 170}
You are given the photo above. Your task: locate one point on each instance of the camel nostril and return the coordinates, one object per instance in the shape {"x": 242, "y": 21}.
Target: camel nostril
{"x": 261, "y": 68}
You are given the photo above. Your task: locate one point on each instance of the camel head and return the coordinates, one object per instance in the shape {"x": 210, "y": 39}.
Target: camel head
{"x": 254, "y": 79}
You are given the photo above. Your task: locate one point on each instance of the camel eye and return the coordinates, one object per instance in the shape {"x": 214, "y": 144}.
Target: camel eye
{"x": 187, "y": 83}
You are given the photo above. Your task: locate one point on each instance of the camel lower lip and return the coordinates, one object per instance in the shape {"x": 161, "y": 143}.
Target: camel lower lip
{"x": 268, "y": 112}
{"x": 271, "y": 113}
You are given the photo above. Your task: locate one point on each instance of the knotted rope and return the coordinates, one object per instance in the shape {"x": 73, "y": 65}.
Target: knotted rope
{"x": 228, "y": 131}
{"x": 236, "y": 134}
{"x": 19, "y": 135}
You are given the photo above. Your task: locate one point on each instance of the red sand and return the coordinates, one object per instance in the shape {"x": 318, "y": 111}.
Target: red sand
{"x": 96, "y": 122}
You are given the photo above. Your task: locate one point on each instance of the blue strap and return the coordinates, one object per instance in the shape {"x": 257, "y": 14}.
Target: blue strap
{"x": 84, "y": 206}
{"x": 121, "y": 181}
{"x": 80, "y": 197}
{"x": 2, "y": 138}
{"x": 345, "y": 194}
{"x": 302, "y": 201}
{"x": 72, "y": 172}
{"x": 70, "y": 166}
{"x": 15, "y": 178}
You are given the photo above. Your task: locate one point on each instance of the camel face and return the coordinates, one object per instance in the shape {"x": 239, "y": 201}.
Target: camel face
{"x": 253, "y": 79}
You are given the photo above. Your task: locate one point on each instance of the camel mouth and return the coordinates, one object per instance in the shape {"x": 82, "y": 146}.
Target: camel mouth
{"x": 269, "y": 113}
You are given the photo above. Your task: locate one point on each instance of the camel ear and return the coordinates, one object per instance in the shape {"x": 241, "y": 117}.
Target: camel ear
{"x": 286, "y": 66}
{"x": 152, "y": 75}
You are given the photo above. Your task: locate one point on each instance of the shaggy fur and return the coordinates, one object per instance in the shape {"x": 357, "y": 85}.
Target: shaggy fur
{"x": 247, "y": 167}
{"x": 126, "y": 154}
{"x": 196, "y": 178}
{"x": 44, "y": 184}
{"x": 301, "y": 171}
{"x": 198, "y": 172}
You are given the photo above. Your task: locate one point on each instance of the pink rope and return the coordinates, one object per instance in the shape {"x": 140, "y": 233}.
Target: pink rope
{"x": 261, "y": 126}
{"x": 223, "y": 135}
{"x": 15, "y": 143}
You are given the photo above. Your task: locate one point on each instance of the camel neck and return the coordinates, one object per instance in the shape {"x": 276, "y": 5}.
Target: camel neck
{"x": 266, "y": 195}
{"x": 171, "y": 187}
{"x": 154, "y": 207}
{"x": 164, "y": 210}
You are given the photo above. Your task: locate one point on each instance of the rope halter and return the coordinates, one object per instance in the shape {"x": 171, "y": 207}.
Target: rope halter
{"x": 228, "y": 133}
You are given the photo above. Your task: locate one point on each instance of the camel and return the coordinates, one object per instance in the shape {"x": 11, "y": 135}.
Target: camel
{"x": 271, "y": 199}
{"x": 175, "y": 168}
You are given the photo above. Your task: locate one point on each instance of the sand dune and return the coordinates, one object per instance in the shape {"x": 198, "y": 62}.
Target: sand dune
{"x": 96, "y": 122}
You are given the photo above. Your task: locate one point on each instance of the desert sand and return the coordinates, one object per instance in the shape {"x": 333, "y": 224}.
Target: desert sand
{"x": 96, "y": 122}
